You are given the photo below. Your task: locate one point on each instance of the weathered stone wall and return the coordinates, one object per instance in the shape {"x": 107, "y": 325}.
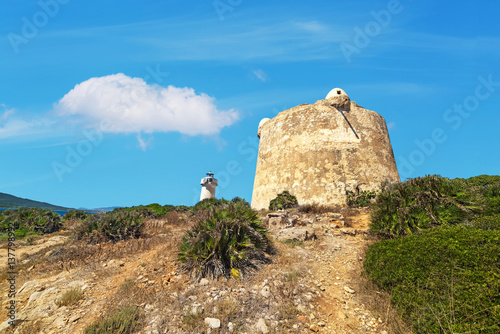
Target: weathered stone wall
{"x": 320, "y": 151}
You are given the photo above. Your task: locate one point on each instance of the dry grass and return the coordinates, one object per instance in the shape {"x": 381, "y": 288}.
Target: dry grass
{"x": 33, "y": 326}
{"x": 126, "y": 320}
{"x": 164, "y": 225}
{"x": 75, "y": 254}
{"x": 70, "y": 297}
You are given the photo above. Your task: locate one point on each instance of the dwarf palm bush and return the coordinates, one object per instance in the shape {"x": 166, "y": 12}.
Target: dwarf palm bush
{"x": 75, "y": 215}
{"x": 208, "y": 203}
{"x": 229, "y": 241}
{"x": 487, "y": 222}
{"x": 30, "y": 221}
{"x": 362, "y": 199}
{"x": 283, "y": 201}
{"x": 112, "y": 226}
{"x": 419, "y": 203}
{"x": 154, "y": 210}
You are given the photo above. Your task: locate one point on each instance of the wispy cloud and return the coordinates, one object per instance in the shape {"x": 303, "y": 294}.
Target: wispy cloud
{"x": 312, "y": 26}
{"x": 144, "y": 143}
{"x": 260, "y": 74}
{"x": 396, "y": 88}
{"x": 5, "y": 112}
{"x": 26, "y": 127}
{"x": 203, "y": 39}
{"x": 43, "y": 177}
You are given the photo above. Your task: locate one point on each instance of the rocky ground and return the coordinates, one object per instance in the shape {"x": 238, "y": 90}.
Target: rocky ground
{"x": 313, "y": 284}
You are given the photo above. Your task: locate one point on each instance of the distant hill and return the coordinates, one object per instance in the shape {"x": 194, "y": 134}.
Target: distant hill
{"x": 12, "y": 202}
{"x": 106, "y": 209}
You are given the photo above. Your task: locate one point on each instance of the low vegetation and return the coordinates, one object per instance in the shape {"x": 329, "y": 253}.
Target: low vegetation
{"x": 29, "y": 221}
{"x": 317, "y": 208}
{"x": 154, "y": 210}
{"x": 126, "y": 320}
{"x": 207, "y": 204}
{"x": 283, "y": 201}
{"x": 75, "y": 215}
{"x": 441, "y": 260}
{"x": 230, "y": 241}
{"x": 443, "y": 280}
{"x": 112, "y": 226}
{"x": 70, "y": 297}
{"x": 293, "y": 242}
{"x": 360, "y": 200}
{"x": 422, "y": 203}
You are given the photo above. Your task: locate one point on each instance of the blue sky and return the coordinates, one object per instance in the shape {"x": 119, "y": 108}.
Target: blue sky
{"x": 120, "y": 103}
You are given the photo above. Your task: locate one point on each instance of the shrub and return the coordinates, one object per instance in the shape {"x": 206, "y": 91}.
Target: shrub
{"x": 491, "y": 195}
{"x": 420, "y": 203}
{"x": 154, "y": 210}
{"x": 487, "y": 222}
{"x": 283, "y": 201}
{"x": 240, "y": 200}
{"x": 122, "y": 321}
{"x": 443, "y": 280}
{"x": 111, "y": 226}
{"x": 363, "y": 199}
{"x": 75, "y": 215}
{"x": 293, "y": 242}
{"x": 483, "y": 190}
{"x": 70, "y": 297}
{"x": 317, "y": 208}
{"x": 208, "y": 203}
{"x": 229, "y": 241}
{"x": 27, "y": 221}
{"x": 182, "y": 208}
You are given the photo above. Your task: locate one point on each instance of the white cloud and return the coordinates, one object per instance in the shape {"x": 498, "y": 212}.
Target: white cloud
{"x": 144, "y": 143}
{"x": 312, "y": 26}
{"x": 130, "y": 105}
{"x": 391, "y": 125}
{"x": 260, "y": 74}
{"x": 20, "y": 126}
{"x": 6, "y": 113}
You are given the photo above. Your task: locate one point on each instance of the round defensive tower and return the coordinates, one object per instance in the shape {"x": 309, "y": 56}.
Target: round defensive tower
{"x": 319, "y": 152}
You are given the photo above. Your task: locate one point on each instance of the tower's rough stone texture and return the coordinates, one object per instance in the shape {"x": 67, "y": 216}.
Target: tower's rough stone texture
{"x": 319, "y": 152}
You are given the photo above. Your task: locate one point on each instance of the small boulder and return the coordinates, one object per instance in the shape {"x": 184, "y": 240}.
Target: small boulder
{"x": 265, "y": 292}
{"x": 348, "y": 289}
{"x": 349, "y": 231}
{"x": 212, "y": 322}
{"x": 261, "y": 326}
{"x": 314, "y": 328}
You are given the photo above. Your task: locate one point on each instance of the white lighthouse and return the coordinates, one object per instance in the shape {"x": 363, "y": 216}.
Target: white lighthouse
{"x": 208, "y": 184}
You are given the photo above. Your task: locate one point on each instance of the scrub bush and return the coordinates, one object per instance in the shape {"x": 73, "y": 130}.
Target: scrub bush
{"x": 421, "y": 203}
{"x": 27, "y": 221}
{"x": 111, "y": 226}
{"x": 283, "y": 201}
{"x": 445, "y": 280}
{"x": 229, "y": 241}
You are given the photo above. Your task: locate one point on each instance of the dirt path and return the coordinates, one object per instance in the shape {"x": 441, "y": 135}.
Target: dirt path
{"x": 337, "y": 258}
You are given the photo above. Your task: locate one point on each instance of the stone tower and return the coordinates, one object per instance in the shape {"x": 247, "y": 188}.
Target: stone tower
{"x": 319, "y": 152}
{"x": 208, "y": 184}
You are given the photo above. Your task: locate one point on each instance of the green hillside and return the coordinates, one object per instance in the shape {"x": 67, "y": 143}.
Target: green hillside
{"x": 12, "y": 202}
